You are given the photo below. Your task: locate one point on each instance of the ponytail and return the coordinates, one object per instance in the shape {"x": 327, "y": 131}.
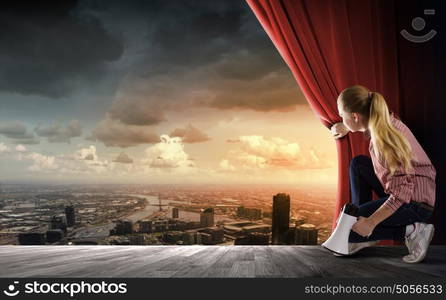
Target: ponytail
{"x": 388, "y": 143}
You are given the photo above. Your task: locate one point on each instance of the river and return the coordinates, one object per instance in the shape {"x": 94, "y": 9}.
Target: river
{"x": 102, "y": 231}
{"x": 151, "y": 208}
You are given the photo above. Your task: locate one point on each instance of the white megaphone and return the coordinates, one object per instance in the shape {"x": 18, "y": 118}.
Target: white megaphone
{"x": 338, "y": 240}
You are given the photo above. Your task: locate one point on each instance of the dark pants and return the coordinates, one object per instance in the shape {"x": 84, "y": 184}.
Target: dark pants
{"x": 363, "y": 181}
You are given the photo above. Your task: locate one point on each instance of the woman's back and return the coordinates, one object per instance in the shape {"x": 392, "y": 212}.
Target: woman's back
{"x": 423, "y": 171}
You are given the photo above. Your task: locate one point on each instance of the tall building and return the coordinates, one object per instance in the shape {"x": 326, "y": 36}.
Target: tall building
{"x": 59, "y": 222}
{"x": 207, "y": 217}
{"x": 175, "y": 213}
{"x": 281, "y": 218}
{"x": 70, "y": 215}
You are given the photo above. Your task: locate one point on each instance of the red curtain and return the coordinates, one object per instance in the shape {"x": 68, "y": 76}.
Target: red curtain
{"x": 330, "y": 45}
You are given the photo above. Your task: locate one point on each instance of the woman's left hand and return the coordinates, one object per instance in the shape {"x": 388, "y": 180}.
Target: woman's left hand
{"x": 364, "y": 226}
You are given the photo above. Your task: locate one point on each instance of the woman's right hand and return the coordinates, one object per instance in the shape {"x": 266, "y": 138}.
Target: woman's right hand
{"x": 339, "y": 130}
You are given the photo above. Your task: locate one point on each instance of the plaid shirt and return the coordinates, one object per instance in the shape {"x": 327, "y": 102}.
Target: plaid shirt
{"x": 417, "y": 185}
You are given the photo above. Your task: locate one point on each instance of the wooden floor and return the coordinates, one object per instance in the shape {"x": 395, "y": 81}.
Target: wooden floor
{"x": 213, "y": 261}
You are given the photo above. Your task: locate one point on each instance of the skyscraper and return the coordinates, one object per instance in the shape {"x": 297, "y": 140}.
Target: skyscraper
{"x": 281, "y": 218}
{"x": 175, "y": 212}
{"x": 69, "y": 213}
{"x": 207, "y": 217}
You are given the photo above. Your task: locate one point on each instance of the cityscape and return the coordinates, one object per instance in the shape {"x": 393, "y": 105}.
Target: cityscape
{"x": 181, "y": 124}
{"x": 33, "y": 214}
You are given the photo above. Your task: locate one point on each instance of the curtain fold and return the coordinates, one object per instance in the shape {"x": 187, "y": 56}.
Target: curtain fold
{"x": 330, "y": 45}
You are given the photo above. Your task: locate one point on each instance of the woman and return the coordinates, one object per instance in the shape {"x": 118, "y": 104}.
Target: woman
{"x": 399, "y": 171}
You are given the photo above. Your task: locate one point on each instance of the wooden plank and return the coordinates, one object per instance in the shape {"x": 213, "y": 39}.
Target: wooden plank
{"x": 201, "y": 265}
{"x": 358, "y": 265}
{"x": 264, "y": 266}
{"x": 214, "y": 262}
{"x": 284, "y": 264}
{"x": 243, "y": 268}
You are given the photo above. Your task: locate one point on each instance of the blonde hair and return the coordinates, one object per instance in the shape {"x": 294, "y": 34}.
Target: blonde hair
{"x": 388, "y": 143}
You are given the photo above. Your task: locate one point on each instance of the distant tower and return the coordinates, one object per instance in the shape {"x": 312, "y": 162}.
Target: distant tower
{"x": 207, "y": 217}
{"x": 281, "y": 218}
{"x": 70, "y": 214}
{"x": 175, "y": 213}
{"x": 159, "y": 200}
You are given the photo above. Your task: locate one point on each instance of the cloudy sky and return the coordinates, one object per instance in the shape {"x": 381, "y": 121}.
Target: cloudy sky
{"x": 153, "y": 91}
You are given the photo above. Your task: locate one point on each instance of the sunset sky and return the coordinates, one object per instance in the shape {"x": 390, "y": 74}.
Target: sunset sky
{"x": 152, "y": 92}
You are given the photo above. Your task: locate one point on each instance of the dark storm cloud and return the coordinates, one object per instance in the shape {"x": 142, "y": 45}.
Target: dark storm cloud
{"x": 191, "y": 34}
{"x": 136, "y": 113}
{"x": 48, "y": 49}
{"x": 117, "y": 134}
{"x": 276, "y": 92}
{"x": 18, "y": 133}
{"x": 56, "y": 133}
{"x": 222, "y": 35}
{"x": 183, "y": 54}
{"x": 189, "y": 45}
{"x": 13, "y": 130}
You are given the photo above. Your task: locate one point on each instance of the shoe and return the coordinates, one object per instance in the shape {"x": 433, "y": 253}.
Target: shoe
{"x": 418, "y": 242}
{"x": 355, "y": 247}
